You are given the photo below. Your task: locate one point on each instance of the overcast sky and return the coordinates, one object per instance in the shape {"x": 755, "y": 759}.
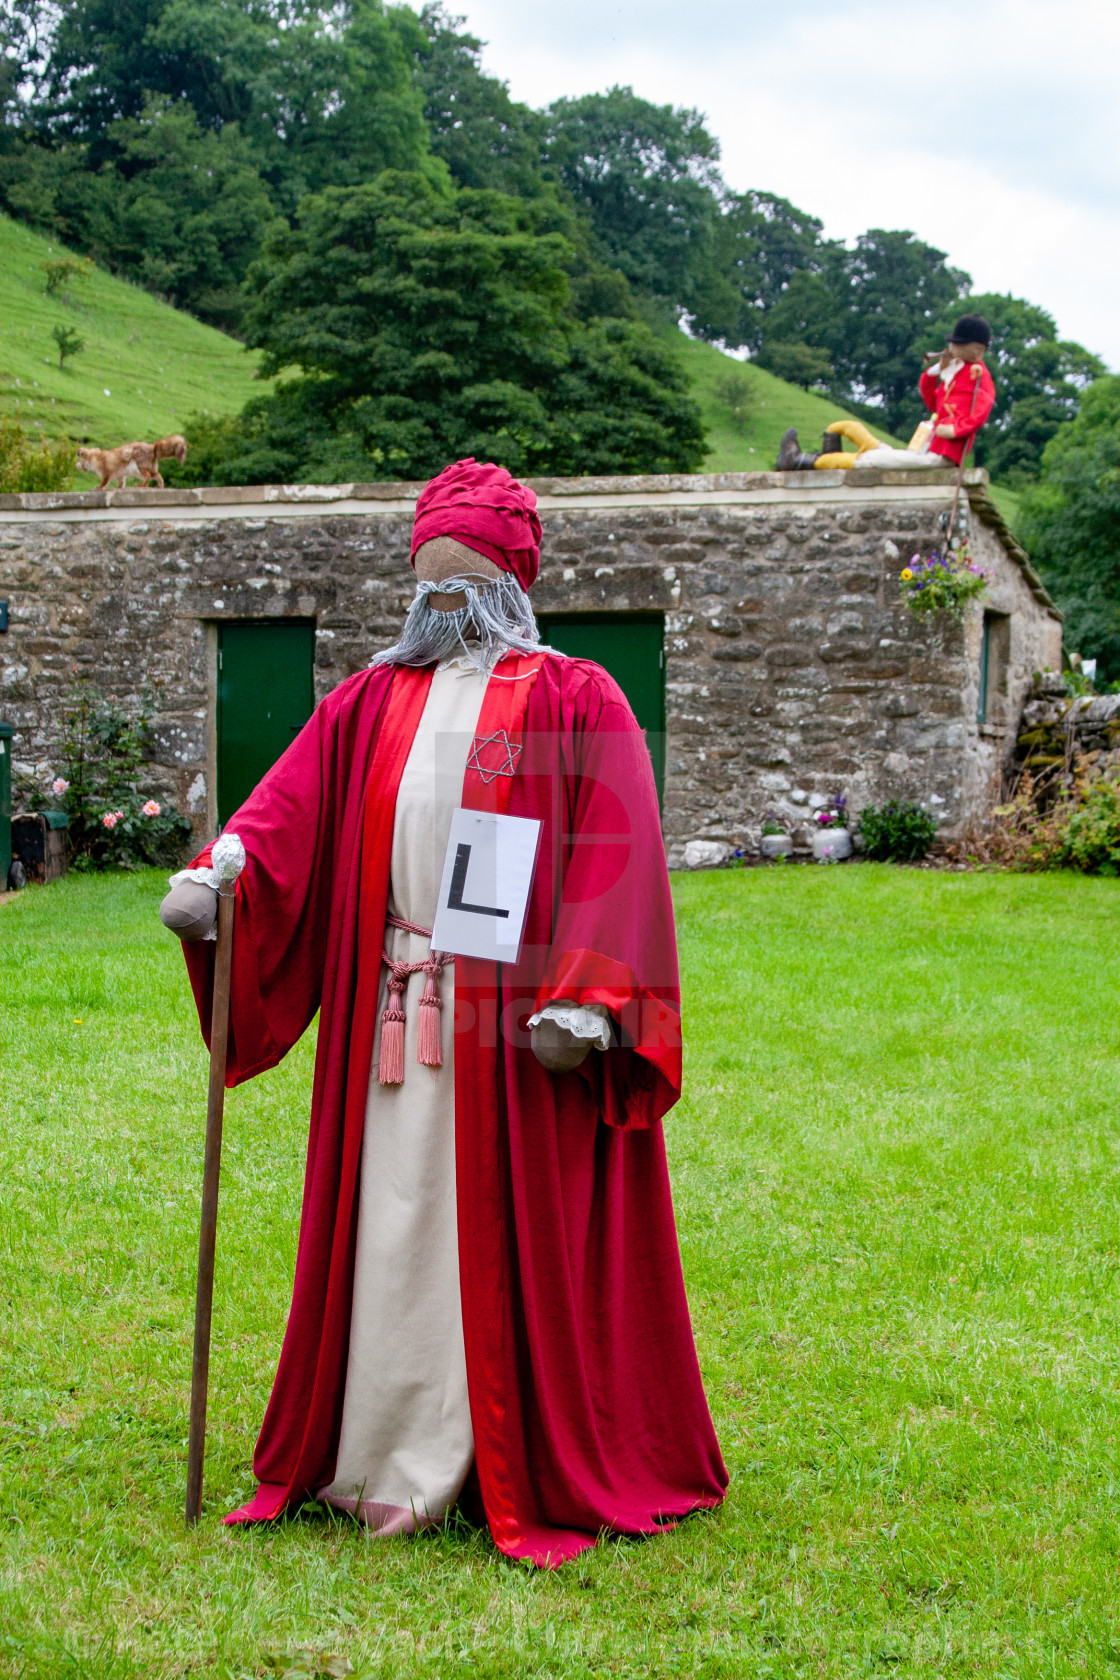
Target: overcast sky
{"x": 988, "y": 127}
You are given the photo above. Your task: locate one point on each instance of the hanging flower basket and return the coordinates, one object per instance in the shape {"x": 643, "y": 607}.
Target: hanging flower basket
{"x": 943, "y": 583}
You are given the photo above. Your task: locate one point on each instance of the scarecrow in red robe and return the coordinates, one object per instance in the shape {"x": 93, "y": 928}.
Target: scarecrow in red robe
{"x": 488, "y": 1298}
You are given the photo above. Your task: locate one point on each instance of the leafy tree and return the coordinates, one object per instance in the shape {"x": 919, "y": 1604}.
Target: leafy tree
{"x": 486, "y": 138}
{"x": 431, "y": 325}
{"x": 802, "y": 331}
{"x": 1071, "y": 524}
{"x": 324, "y": 93}
{"x": 759, "y": 245}
{"x": 890, "y": 290}
{"x": 735, "y": 391}
{"x": 69, "y": 343}
{"x": 188, "y": 213}
{"x": 163, "y": 135}
{"x": 65, "y": 272}
{"x": 1039, "y": 381}
{"x": 646, "y": 177}
{"x": 857, "y": 319}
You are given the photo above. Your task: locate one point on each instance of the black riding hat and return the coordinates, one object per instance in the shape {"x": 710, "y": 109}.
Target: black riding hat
{"x": 971, "y": 329}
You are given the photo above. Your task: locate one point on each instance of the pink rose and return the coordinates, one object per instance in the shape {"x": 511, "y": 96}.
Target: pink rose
{"x": 58, "y": 787}
{"x": 152, "y": 808}
{"x": 109, "y": 820}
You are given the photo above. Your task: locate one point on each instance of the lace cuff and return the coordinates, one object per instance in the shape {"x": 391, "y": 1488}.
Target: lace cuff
{"x": 202, "y": 877}
{"x": 582, "y": 1020}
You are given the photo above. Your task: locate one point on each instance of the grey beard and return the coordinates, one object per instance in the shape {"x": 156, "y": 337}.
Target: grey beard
{"x": 497, "y": 619}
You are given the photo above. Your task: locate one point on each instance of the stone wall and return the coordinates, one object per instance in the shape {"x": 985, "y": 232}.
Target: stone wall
{"x": 1059, "y": 732}
{"x": 793, "y": 671}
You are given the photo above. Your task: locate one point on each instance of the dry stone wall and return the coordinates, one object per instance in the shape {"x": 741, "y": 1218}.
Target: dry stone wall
{"x": 793, "y": 671}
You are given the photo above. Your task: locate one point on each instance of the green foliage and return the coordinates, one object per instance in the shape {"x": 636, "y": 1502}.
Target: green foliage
{"x": 30, "y": 464}
{"x": 900, "y": 831}
{"x": 797, "y": 364}
{"x": 113, "y": 824}
{"x": 436, "y": 324}
{"x": 735, "y": 391}
{"x": 162, "y": 138}
{"x": 645, "y": 175}
{"x": 69, "y": 342}
{"x": 757, "y": 246}
{"x": 800, "y": 331}
{"x": 485, "y": 138}
{"x": 893, "y": 286}
{"x": 942, "y": 583}
{"x": 1063, "y": 822}
{"x": 188, "y": 212}
{"x": 63, "y": 272}
{"x": 1071, "y": 524}
{"x": 1090, "y": 837}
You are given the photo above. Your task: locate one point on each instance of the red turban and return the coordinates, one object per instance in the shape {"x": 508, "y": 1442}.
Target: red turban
{"x": 481, "y": 505}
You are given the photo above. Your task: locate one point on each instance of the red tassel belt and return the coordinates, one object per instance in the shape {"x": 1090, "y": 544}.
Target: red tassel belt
{"x": 429, "y": 1037}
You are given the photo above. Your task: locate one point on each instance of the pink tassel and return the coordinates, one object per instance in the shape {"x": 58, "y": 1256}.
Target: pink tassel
{"x": 390, "y": 1068}
{"x": 429, "y": 1035}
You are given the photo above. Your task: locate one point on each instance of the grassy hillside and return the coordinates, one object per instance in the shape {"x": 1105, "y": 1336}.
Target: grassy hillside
{"x": 749, "y": 442}
{"x": 1007, "y": 501}
{"x": 145, "y": 367}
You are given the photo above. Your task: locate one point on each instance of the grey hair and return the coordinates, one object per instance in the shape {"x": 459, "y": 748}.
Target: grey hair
{"x": 496, "y": 619}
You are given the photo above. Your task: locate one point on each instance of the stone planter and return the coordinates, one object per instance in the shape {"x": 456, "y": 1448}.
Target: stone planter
{"x": 832, "y": 845}
{"x": 775, "y": 845}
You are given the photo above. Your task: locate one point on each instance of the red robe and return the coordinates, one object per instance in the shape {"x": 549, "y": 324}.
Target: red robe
{"x": 586, "y": 1400}
{"x": 965, "y": 404}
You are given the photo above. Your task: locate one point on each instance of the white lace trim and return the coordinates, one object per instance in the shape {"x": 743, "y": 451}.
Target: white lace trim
{"x": 202, "y": 877}
{"x": 582, "y": 1020}
{"x": 460, "y": 662}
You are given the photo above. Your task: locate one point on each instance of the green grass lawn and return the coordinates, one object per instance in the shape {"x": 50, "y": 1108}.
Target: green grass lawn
{"x": 145, "y": 368}
{"x": 897, "y": 1189}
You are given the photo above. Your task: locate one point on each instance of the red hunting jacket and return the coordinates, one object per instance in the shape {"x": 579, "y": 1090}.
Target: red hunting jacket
{"x": 964, "y": 404}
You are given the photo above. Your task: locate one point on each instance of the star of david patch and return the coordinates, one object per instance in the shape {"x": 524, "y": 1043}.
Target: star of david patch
{"x": 494, "y": 755}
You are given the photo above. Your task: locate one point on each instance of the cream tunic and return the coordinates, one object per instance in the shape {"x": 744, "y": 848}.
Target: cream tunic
{"x": 406, "y": 1443}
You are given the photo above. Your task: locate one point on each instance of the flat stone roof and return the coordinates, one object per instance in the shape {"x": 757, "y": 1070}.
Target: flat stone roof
{"x": 669, "y": 489}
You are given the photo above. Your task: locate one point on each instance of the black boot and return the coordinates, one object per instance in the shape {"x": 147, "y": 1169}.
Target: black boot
{"x": 791, "y": 457}
{"x": 832, "y": 444}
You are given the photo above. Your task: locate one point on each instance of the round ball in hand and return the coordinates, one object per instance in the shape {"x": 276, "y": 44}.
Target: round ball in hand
{"x": 556, "y": 1048}
{"x": 190, "y": 910}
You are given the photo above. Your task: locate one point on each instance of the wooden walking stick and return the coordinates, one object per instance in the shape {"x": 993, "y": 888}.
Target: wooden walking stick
{"x": 227, "y": 861}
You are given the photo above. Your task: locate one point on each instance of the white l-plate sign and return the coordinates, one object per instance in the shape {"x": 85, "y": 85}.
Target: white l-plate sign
{"x": 484, "y": 892}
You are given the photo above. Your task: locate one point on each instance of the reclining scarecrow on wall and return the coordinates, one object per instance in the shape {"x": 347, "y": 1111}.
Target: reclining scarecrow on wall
{"x": 488, "y": 1304}
{"x": 958, "y": 391}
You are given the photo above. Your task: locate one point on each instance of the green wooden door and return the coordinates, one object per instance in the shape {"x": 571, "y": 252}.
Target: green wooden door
{"x": 265, "y": 696}
{"x": 631, "y": 646}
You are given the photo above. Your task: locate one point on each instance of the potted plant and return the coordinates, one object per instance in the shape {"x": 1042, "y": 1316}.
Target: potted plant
{"x": 832, "y": 839}
{"x": 774, "y": 842}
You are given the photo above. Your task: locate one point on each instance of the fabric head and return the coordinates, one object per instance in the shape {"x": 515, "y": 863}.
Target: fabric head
{"x": 483, "y": 506}
{"x": 971, "y": 329}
